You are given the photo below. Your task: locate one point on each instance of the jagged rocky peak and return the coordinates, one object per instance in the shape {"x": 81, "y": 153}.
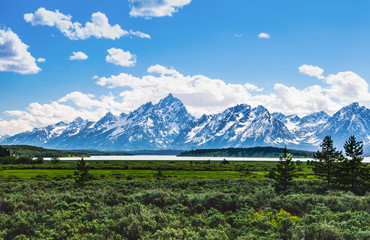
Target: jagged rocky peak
{"x": 109, "y": 117}
{"x": 315, "y": 118}
{"x": 232, "y": 113}
{"x": 167, "y": 124}
{"x": 279, "y": 116}
{"x": 122, "y": 115}
{"x": 352, "y": 108}
{"x": 78, "y": 120}
{"x": 294, "y": 118}
{"x": 142, "y": 109}
{"x": 261, "y": 110}
{"x": 353, "y": 105}
{"x": 241, "y": 108}
{"x": 170, "y": 103}
{"x": 168, "y": 100}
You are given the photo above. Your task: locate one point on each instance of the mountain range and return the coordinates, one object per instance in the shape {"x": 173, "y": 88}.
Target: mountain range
{"x": 168, "y": 125}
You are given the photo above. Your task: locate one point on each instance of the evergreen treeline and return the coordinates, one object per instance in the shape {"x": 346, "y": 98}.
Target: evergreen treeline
{"x": 246, "y": 152}
{"x": 32, "y": 151}
{"x": 20, "y": 160}
{"x": 343, "y": 170}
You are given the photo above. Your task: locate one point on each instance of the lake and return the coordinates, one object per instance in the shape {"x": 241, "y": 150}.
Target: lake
{"x": 176, "y": 158}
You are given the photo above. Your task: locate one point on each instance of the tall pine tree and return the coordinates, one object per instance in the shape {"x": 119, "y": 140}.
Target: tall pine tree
{"x": 352, "y": 173}
{"x": 327, "y": 158}
{"x": 4, "y": 152}
{"x": 82, "y": 174}
{"x": 285, "y": 171}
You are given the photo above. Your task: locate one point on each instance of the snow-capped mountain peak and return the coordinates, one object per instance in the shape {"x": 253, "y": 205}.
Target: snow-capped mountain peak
{"x": 168, "y": 125}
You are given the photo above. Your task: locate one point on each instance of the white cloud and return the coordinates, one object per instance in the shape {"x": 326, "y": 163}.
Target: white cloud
{"x": 348, "y": 87}
{"x": 139, "y": 34}
{"x": 41, "y": 60}
{"x": 119, "y": 57}
{"x": 199, "y": 93}
{"x": 14, "y": 55}
{"x": 312, "y": 71}
{"x": 205, "y": 95}
{"x": 290, "y": 100}
{"x": 81, "y": 100}
{"x": 78, "y": 56}
{"x": 69, "y": 107}
{"x": 155, "y": 8}
{"x": 95, "y": 77}
{"x": 238, "y": 35}
{"x": 162, "y": 70}
{"x": 99, "y": 26}
{"x": 264, "y": 35}
{"x": 252, "y": 87}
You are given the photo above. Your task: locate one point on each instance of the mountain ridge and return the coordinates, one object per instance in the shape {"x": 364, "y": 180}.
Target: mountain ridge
{"x": 168, "y": 125}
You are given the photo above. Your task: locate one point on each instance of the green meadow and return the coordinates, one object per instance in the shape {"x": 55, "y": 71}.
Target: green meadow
{"x": 148, "y": 170}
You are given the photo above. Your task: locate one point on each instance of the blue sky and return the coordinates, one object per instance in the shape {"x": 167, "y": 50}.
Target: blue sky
{"x": 207, "y": 53}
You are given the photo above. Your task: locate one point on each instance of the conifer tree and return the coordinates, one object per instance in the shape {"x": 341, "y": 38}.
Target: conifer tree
{"x": 327, "y": 158}
{"x": 55, "y": 160}
{"x": 285, "y": 171}
{"x": 4, "y": 152}
{"x": 352, "y": 173}
{"x": 82, "y": 175}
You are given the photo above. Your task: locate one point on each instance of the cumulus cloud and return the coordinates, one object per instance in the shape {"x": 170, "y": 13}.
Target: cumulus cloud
{"x": 162, "y": 70}
{"x": 99, "y": 26}
{"x": 41, "y": 60}
{"x": 119, "y": 57}
{"x": 252, "y": 87}
{"x": 344, "y": 86}
{"x": 67, "y": 108}
{"x": 199, "y": 93}
{"x": 290, "y": 100}
{"x": 14, "y": 55}
{"x": 78, "y": 56}
{"x": 155, "y": 8}
{"x": 238, "y": 35}
{"x": 312, "y": 71}
{"x": 205, "y": 95}
{"x": 347, "y": 86}
{"x": 264, "y": 35}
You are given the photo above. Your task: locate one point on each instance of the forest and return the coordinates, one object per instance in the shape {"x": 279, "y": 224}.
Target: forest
{"x": 246, "y": 152}
{"x": 33, "y": 151}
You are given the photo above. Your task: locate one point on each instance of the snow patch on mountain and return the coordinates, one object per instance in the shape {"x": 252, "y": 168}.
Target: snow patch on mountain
{"x": 168, "y": 125}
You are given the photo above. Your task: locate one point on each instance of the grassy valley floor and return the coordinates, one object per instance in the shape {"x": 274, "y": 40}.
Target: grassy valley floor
{"x": 116, "y": 170}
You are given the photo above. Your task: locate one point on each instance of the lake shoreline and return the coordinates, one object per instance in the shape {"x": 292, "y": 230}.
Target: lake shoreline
{"x": 178, "y": 158}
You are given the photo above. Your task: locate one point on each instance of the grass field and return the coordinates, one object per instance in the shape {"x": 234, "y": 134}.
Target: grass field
{"x": 116, "y": 170}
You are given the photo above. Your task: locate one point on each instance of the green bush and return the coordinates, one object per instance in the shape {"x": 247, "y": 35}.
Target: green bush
{"x": 180, "y": 209}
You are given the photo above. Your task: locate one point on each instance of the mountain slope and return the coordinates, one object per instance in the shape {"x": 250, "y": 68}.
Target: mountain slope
{"x": 350, "y": 120}
{"x": 239, "y": 126}
{"x": 168, "y": 125}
